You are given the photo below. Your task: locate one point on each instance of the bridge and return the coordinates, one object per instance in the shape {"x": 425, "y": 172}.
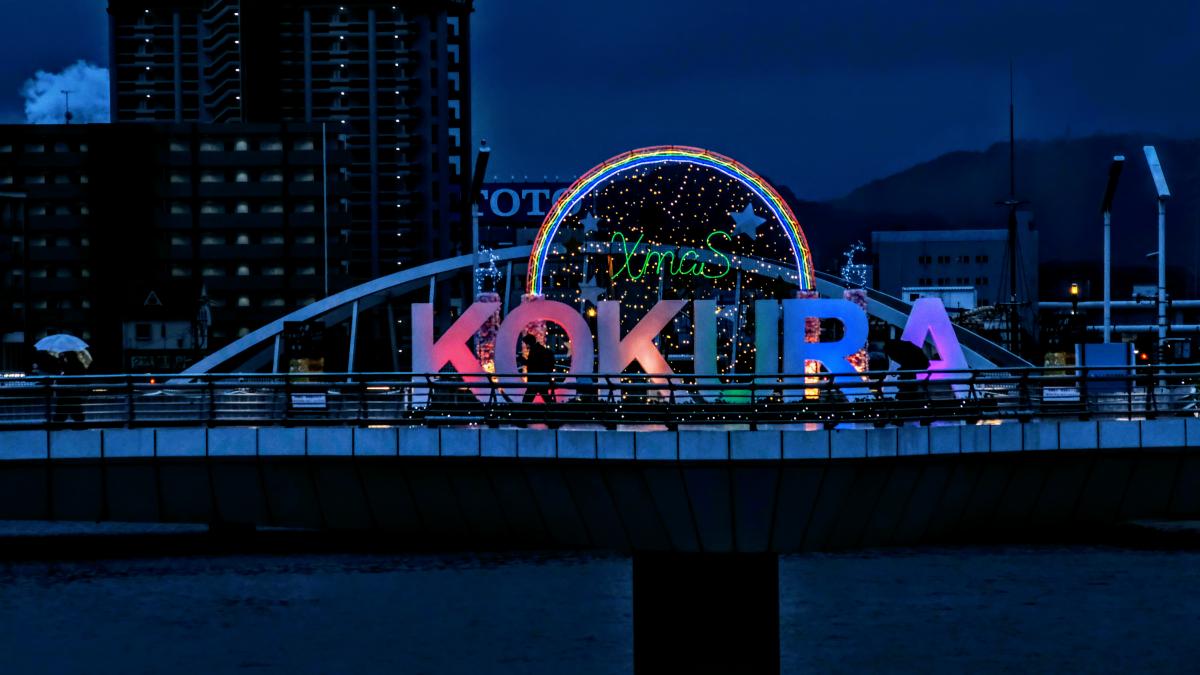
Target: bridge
{"x": 703, "y": 479}
{"x": 704, "y": 483}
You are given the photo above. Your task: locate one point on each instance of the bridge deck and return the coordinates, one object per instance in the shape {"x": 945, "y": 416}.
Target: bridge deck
{"x": 777, "y": 490}
{"x": 786, "y": 442}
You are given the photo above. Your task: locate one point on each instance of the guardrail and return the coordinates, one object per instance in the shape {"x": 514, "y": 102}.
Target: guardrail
{"x": 881, "y": 398}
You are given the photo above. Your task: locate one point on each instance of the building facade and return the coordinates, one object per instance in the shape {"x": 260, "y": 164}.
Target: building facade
{"x": 391, "y": 80}
{"x": 923, "y": 261}
{"x": 107, "y": 226}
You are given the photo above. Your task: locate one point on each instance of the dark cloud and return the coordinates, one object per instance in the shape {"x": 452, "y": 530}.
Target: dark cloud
{"x": 87, "y": 84}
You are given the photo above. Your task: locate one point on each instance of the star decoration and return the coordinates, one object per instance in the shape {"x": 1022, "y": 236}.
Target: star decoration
{"x": 590, "y": 291}
{"x": 747, "y": 222}
{"x": 590, "y": 222}
{"x": 727, "y": 312}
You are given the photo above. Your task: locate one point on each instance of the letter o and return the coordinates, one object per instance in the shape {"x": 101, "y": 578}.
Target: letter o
{"x": 495, "y": 202}
{"x": 558, "y": 313}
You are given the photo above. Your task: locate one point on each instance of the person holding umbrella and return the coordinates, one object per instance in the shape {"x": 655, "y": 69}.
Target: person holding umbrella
{"x": 68, "y": 357}
{"x": 909, "y": 357}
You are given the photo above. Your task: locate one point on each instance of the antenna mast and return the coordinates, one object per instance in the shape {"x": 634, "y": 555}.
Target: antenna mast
{"x": 1012, "y": 202}
{"x": 67, "y": 116}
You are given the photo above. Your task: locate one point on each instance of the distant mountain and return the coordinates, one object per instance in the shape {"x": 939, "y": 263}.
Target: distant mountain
{"x": 1064, "y": 182}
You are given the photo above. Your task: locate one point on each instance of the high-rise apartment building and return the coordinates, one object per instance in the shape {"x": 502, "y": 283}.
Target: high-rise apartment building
{"x": 391, "y": 80}
{"x": 113, "y": 229}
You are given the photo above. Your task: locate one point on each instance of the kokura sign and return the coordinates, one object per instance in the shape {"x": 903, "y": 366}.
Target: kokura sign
{"x": 701, "y": 264}
{"x": 780, "y": 337}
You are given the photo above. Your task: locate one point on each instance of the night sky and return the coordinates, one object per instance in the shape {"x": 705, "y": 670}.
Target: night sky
{"x": 820, "y": 97}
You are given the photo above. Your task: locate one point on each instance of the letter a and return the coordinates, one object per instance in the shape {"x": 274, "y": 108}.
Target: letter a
{"x": 928, "y": 317}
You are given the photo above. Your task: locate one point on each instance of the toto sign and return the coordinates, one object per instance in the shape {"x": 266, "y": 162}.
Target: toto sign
{"x": 671, "y": 260}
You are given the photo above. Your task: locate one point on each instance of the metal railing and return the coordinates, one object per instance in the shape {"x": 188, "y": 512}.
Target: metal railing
{"x": 883, "y": 398}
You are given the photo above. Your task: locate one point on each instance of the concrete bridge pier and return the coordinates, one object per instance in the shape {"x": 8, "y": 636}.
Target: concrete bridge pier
{"x": 705, "y": 613}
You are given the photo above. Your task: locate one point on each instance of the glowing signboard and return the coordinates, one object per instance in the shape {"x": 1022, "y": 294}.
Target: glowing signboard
{"x": 682, "y": 261}
{"x": 615, "y": 352}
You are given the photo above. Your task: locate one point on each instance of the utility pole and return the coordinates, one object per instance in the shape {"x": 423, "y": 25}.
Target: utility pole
{"x": 1114, "y": 174}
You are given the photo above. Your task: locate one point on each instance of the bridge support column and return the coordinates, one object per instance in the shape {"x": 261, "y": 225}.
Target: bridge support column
{"x": 705, "y": 613}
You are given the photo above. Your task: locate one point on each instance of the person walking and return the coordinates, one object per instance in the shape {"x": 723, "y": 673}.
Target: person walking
{"x": 538, "y": 361}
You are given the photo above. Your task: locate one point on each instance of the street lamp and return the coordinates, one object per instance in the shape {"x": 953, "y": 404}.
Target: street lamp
{"x": 1160, "y": 186}
{"x": 1114, "y": 174}
{"x": 481, "y": 162}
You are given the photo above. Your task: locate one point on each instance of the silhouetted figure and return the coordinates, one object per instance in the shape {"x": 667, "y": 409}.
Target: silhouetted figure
{"x": 539, "y": 363}
{"x": 68, "y": 406}
{"x": 909, "y": 357}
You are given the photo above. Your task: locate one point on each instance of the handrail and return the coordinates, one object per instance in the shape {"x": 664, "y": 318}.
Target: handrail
{"x": 606, "y": 399}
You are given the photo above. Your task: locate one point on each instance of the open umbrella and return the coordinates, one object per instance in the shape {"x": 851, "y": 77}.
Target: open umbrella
{"x": 59, "y": 343}
{"x": 906, "y": 355}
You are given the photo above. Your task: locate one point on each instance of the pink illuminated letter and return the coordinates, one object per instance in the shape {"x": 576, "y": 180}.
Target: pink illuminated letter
{"x": 578, "y": 334}
{"x": 617, "y": 353}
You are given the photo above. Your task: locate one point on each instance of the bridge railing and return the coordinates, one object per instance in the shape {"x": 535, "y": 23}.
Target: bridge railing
{"x": 610, "y": 400}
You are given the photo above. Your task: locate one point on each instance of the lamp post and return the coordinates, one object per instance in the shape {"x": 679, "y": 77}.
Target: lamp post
{"x": 481, "y": 162}
{"x": 1114, "y": 174}
{"x": 1160, "y": 186}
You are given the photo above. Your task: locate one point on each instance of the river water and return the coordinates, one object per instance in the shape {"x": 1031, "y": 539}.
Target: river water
{"x": 990, "y": 609}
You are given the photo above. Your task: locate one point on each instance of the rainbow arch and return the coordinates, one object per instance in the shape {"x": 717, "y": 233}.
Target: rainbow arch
{"x": 665, "y": 154}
